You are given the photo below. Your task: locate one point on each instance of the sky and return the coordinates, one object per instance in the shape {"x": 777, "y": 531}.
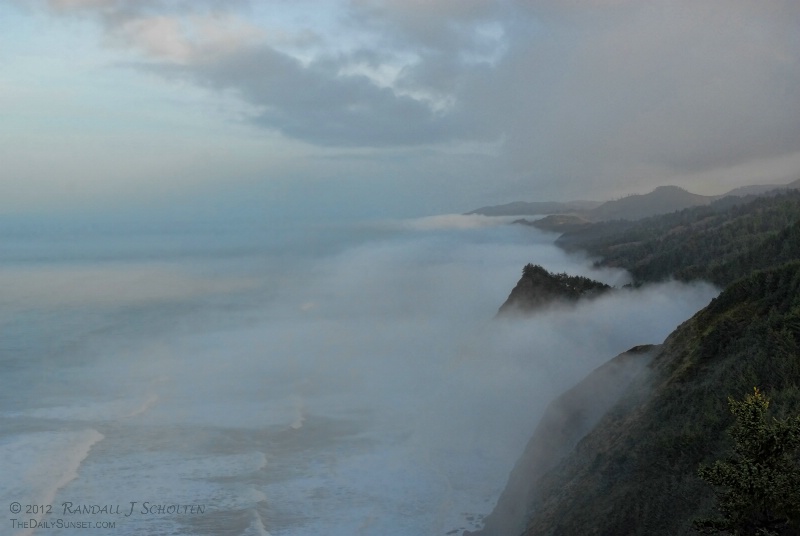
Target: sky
{"x": 397, "y": 107}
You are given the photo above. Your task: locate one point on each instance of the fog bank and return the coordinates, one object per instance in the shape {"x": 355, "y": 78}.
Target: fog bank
{"x": 367, "y": 375}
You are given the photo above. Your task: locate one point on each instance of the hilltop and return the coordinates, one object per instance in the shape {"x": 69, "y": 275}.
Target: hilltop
{"x": 662, "y": 200}
{"x": 537, "y": 288}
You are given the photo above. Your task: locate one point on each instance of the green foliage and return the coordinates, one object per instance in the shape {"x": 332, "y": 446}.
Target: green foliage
{"x": 720, "y": 242}
{"x": 570, "y": 285}
{"x": 636, "y": 473}
{"x": 760, "y": 482}
{"x": 537, "y": 287}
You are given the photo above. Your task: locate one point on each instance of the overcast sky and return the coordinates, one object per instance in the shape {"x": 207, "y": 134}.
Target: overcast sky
{"x": 418, "y": 106}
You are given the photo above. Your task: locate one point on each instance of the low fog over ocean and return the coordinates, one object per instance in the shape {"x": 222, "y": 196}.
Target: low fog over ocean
{"x": 222, "y": 311}
{"x": 286, "y": 378}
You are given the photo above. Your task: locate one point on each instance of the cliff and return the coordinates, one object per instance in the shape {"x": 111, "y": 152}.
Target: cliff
{"x": 567, "y": 420}
{"x": 537, "y": 288}
{"x": 634, "y": 471}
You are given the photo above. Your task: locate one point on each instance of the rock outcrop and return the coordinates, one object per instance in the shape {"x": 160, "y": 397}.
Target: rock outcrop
{"x": 537, "y": 288}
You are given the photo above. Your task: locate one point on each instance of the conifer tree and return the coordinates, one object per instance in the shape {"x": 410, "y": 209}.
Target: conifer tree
{"x": 758, "y": 487}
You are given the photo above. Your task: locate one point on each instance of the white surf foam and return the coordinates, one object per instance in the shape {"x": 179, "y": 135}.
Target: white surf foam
{"x": 257, "y": 527}
{"x": 35, "y": 466}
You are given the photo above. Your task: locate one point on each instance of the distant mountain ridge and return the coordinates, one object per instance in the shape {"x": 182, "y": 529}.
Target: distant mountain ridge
{"x": 761, "y": 189}
{"x": 662, "y": 200}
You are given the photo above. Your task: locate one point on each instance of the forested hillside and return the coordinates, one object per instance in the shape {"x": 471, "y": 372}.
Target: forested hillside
{"x": 636, "y": 471}
{"x": 565, "y": 422}
{"x": 719, "y": 242}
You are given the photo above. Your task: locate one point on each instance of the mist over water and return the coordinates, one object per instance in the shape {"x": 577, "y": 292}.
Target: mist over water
{"x": 294, "y": 379}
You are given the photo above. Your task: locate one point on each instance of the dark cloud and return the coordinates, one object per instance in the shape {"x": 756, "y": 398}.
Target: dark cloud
{"x": 316, "y": 104}
{"x": 585, "y": 92}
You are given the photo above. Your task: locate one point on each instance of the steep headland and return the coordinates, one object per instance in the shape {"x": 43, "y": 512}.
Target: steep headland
{"x": 631, "y": 466}
{"x": 537, "y": 288}
{"x": 636, "y": 471}
{"x": 619, "y": 454}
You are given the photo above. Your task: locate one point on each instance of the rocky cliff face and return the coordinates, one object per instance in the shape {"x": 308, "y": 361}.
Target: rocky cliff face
{"x": 633, "y": 469}
{"x": 537, "y": 288}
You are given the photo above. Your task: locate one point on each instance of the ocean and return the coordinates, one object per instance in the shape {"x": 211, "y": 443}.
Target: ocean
{"x": 285, "y": 377}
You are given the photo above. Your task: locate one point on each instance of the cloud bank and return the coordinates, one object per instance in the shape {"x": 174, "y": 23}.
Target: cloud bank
{"x": 550, "y": 99}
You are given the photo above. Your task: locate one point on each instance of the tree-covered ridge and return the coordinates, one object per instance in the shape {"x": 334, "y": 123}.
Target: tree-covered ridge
{"x": 538, "y": 287}
{"x": 720, "y": 242}
{"x": 572, "y": 286}
{"x": 636, "y": 471}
